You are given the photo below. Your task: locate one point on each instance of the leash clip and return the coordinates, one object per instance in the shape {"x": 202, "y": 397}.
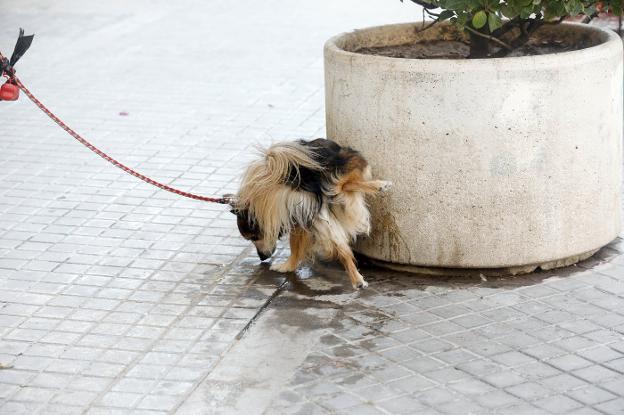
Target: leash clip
{"x": 5, "y": 68}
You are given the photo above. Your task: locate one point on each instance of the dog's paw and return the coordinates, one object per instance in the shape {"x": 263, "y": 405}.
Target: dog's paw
{"x": 360, "y": 284}
{"x": 284, "y": 267}
{"x": 385, "y": 186}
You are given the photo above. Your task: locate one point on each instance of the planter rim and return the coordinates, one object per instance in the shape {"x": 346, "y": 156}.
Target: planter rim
{"x": 611, "y": 45}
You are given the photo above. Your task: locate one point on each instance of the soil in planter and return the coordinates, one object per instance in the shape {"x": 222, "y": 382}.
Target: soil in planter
{"x": 454, "y": 49}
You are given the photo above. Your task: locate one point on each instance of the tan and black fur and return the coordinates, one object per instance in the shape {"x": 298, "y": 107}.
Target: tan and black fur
{"x": 315, "y": 192}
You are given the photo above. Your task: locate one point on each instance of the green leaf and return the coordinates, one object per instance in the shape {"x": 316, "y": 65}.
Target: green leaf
{"x": 445, "y": 14}
{"x": 573, "y": 7}
{"x": 526, "y": 12}
{"x": 479, "y": 19}
{"x": 508, "y": 11}
{"x": 462, "y": 19}
{"x": 494, "y": 22}
{"x": 453, "y": 4}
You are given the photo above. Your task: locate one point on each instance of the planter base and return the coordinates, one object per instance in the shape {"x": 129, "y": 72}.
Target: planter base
{"x": 487, "y": 272}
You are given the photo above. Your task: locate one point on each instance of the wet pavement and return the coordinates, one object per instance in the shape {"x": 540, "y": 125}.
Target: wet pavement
{"x": 543, "y": 343}
{"x": 117, "y": 298}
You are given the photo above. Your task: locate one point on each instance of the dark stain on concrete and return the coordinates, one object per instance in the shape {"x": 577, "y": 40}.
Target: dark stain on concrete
{"x": 385, "y": 225}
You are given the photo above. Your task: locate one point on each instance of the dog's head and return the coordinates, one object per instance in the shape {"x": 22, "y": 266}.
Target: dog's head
{"x": 250, "y": 230}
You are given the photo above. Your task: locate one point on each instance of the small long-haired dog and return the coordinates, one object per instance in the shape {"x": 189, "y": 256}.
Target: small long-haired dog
{"x": 314, "y": 190}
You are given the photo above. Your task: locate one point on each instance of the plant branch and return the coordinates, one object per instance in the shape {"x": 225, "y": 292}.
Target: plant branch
{"x": 589, "y": 17}
{"x": 427, "y": 27}
{"x": 507, "y": 26}
{"x": 527, "y": 28}
{"x": 535, "y": 23}
{"x": 430, "y": 13}
{"x": 524, "y": 32}
{"x": 527, "y": 31}
{"x": 554, "y": 22}
{"x": 490, "y": 38}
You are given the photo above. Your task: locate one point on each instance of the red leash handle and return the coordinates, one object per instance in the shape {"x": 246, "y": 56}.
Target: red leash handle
{"x": 8, "y": 72}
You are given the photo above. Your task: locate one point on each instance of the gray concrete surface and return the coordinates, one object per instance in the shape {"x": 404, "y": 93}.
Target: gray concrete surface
{"x": 117, "y": 298}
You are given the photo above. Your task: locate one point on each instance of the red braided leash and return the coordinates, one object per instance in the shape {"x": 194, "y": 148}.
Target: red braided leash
{"x": 9, "y": 73}
{"x": 70, "y": 131}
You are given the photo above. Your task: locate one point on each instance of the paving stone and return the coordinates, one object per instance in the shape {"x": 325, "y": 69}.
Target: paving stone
{"x": 413, "y": 384}
{"x": 563, "y": 382}
{"x": 497, "y": 399}
{"x": 612, "y": 407}
{"x": 558, "y": 404}
{"x": 585, "y": 411}
{"x": 402, "y": 405}
{"x": 437, "y": 396}
{"x": 460, "y": 406}
{"x": 378, "y": 392}
{"x": 591, "y": 395}
{"x": 569, "y": 362}
{"x": 341, "y": 402}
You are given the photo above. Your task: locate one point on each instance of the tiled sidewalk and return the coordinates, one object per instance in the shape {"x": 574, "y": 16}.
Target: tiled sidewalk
{"x": 115, "y": 296}
{"x": 118, "y": 298}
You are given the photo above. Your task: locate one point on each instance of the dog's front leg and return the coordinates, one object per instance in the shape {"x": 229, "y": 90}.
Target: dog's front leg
{"x": 345, "y": 255}
{"x": 300, "y": 243}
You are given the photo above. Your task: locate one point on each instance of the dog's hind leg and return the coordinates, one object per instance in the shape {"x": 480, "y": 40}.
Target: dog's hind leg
{"x": 300, "y": 243}
{"x": 356, "y": 181}
{"x": 345, "y": 255}
{"x": 372, "y": 186}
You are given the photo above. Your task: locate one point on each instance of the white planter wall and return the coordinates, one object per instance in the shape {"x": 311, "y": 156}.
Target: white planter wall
{"x": 495, "y": 162}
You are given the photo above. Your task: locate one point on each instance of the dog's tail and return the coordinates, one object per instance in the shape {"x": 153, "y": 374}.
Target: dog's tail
{"x": 264, "y": 191}
{"x": 284, "y": 159}
{"x": 279, "y": 163}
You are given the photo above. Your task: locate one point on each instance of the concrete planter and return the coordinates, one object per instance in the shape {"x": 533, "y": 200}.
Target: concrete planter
{"x": 497, "y": 163}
